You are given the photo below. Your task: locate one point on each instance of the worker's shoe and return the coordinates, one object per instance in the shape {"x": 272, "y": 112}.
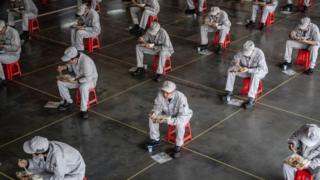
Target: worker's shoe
{"x": 309, "y": 71}
{"x": 227, "y": 97}
{"x": 158, "y": 78}
{"x": 84, "y": 114}
{"x": 262, "y": 26}
{"x": 134, "y": 29}
{"x": 25, "y": 35}
{"x": 305, "y": 9}
{"x": 177, "y": 152}
{"x": 190, "y": 11}
{"x": 65, "y": 106}
{"x": 250, "y": 24}
{"x": 139, "y": 32}
{"x": 199, "y": 13}
{"x": 140, "y": 71}
{"x": 219, "y": 49}
{"x": 249, "y": 103}
{"x": 153, "y": 143}
{"x": 284, "y": 66}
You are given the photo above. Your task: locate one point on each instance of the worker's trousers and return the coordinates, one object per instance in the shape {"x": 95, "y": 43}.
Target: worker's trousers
{"x": 6, "y": 58}
{"x": 84, "y": 92}
{"x": 135, "y": 14}
{"x": 191, "y": 4}
{"x": 180, "y": 129}
{"x": 140, "y": 51}
{"x": 254, "y": 83}
{"x": 292, "y": 44}
{"x": 144, "y": 18}
{"x": 204, "y": 29}
{"x": 77, "y": 37}
{"x": 25, "y": 18}
{"x": 265, "y": 11}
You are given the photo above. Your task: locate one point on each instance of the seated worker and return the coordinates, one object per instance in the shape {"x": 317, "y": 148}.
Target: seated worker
{"x": 289, "y": 7}
{"x": 25, "y": 9}
{"x": 174, "y": 106}
{"x": 249, "y": 62}
{"x": 155, "y": 41}
{"x": 216, "y": 20}
{"x": 266, "y": 6}
{"x": 88, "y": 26}
{"x": 305, "y": 36}
{"x": 86, "y": 77}
{"x": 52, "y": 160}
{"x": 136, "y": 10}
{"x": 192, "y": 9}
{"x": 10, "y": 48}
{"x": 306, "y": 143}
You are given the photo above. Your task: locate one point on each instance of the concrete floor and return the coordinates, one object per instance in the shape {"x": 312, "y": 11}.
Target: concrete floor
{"x": 228, "y": 142}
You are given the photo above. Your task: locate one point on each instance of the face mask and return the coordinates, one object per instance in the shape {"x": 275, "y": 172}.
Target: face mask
{"x": 38, "y": 158}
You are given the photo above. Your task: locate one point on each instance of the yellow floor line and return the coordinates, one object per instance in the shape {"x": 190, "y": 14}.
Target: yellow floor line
{"x": 141, "y": 171}
{"x": 39, "y": 129}
{"x": 39, "y": 69}
{"x": 115, "y": 59}
{"x": 30, "y": 87}
{"x": 3, "y": 174}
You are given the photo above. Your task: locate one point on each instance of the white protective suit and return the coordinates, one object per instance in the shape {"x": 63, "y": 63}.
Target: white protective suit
{"x": 152, "y": 8}
{"x": 270, "y": 7}
{"x": 163, "y": 48}
{"x": 311, "y": 153}
{"x": 86, "y": 71}
{"x": 30, "y": 11}
{"x": 63, "y": 162}
{"x": 92, "y": 28}
{"x": 12, "y": 48}
{"x": 223, "y": 27}
{"x": 312, "y": 34}
{"x": 136, "y": 12}
{"x": 192, "y": 6}
{"x": 178, "y": 109}
{"x": 257, "y": 70}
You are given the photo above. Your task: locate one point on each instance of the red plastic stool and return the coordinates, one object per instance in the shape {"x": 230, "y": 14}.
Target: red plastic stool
{"x": 151, "y": 19}
{"x": 303, "y": 58}
{"x": 246, "y": 87}
{"x": 44, "y": 2}
{"x": 33, "y": 25}
{"x": 205, "y": 6}
{"x": 91, "y": 43}
{"x": 303, "y": 175}
{"x": 167, "y": 67}
{"x": 92, "y": 97}
{"x": 300, "y": 4}
{"x": 84, "y": 178}
{"x": 12, "y": 70}
{"x": 270, "y": 19}
{"x": 226, "y": 42}
{"x": 172, "y": 133}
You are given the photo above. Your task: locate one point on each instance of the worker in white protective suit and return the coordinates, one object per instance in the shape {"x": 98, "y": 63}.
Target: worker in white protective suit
{"x": 174, "y": 106}
{"x": 305, "y": 36}
{"x": 250, "y": 62}
{"x": 52, "y": 160}
{"x": 266, "y": 6}
{"x": 86, "y": 77}
{"x": 216, "y": 20}
{"x": 191, "y": 9}
{"x": 289, "y": 6}
{"x": 155, "y": 41}
{"x": 306, "y": 143}
{"x": 10, "y": 48}
{"x": 88, "y": 26}
{"x": 26, "y": 9}
{"x": 136, "y": 10}
{"x": 149, "y": 8}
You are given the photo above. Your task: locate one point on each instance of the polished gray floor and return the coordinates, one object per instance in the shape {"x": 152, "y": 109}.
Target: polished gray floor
{"x": 228, "y": 142}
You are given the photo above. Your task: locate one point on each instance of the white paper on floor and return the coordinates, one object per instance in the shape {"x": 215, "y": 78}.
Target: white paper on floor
{"x": 240, "y": 23}
{"x": 289, "y": 72}
{"x": 52, "y": 104}
{"x": 236, "y": 102}
{"x": 205, "y": 52}
{"x": 133, "y": 69}
{"x": 161, "y": 157}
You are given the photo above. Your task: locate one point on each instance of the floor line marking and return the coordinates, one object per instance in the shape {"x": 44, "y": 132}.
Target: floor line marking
{"x": 141, "y": 171}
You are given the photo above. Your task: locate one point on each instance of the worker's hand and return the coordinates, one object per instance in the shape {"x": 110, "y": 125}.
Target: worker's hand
{"x": 243, "y": 69}
{"x": 148, "y": 45}
{"x": 61, "y": 68}
{"x": 292, "y": 147}
{"x": 22, "y": 163}
{"x": 22, "y": 177}
{"x": 141, "y": 40}
{"x": 152, "y": 115}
